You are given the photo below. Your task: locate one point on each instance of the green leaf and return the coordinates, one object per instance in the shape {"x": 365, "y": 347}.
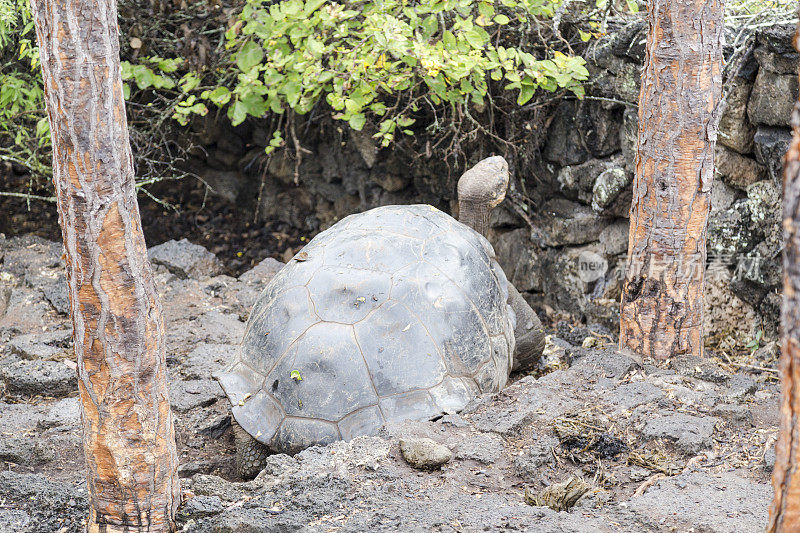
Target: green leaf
{"x": 166, "y": 65}
{"x": 292, "y": 90}
{"x": 476, "y": 37}
{"x": 429, "y": 27}
{"x": 335, "y": 101}
{"x": 162, "y": 82}
{"x": 405, "y": 122}
{"x": 126, "y": 70}
{"x": 199, "y": 109}
{"x": 449, "y": 40}
{"x": 379, "y": 108}
{"x": 292, "y": 7}
{"x": 486, "y": 10}
{"x": 189, "y": 82}
{"x": 501, "y": 19}
{"x": 325, "y": 77}
{"x": 249, "y": 56}
{"x": 237, "y": 113}
{"x": 220, "y": 96}
{"x": 352, "y": 106}
{"x": 357, "y": 121}
{"x": 437, "y": 84}
{"x": 254, "y": 105}
{"x": 42, "y": 127}
{"x": 311, "y": 6}
{"x": 525, "y": 94}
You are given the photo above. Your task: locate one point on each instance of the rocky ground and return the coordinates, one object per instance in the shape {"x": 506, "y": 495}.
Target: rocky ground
{"x": 614, "y": 443}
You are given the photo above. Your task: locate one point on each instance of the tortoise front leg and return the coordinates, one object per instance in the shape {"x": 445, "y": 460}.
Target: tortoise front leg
{"x": 529, "y": 333}
{"x": 251, "y": 455}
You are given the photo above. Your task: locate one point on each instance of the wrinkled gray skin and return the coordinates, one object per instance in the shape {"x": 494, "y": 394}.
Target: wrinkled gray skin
{"x": 480, "y": 189}
{"x": 397, "y": 313}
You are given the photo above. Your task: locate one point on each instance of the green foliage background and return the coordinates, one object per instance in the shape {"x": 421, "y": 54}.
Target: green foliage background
{"x": 412, "y": 68}
{"x": 384, "y": 60}
{"x": 24, "y": 129}
{"x": 440, "y": 69}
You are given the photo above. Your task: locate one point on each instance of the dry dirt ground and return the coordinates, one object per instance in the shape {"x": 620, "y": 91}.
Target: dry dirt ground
{"x": 684, "y": 447}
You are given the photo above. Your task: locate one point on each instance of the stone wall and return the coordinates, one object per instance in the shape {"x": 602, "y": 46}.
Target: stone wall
{"x": 589, "y": 160}
{"x": 578, "y": 180}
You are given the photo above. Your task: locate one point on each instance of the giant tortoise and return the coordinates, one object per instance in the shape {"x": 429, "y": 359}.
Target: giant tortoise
{"x": 397, "y": 313}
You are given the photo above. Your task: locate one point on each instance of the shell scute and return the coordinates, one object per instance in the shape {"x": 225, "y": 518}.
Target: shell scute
{"x": 274, "y": 327}
{"x": 411, "y": 405}
{"x": 380, "y": 250}
{"x": 365, "y": 421}
{"x": 296, "y": 434}
{"x": 322, "y": 375}
{"x": 398, "y": 350}
{"x": 451, "y": 319}
{"x": 460, "y": 261}
{"x": 347, "y": 295}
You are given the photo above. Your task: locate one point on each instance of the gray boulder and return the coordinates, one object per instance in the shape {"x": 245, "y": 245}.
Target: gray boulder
{"x": 690, "y": 433}
{"x": 64, "y": 413}
{"x": 186, "y": 260}
{"x": 770, "y": 145}
{"x": 424, "y": 453}
{"x": 772, "y": 98}
{"x": 42, "y": 345}
{"x": 608, "y": 186}
{"x": 731, "y": 232}
{"x": 564, "y": 145}
{"x": 703, "y": 501}
{"x": 51, "y": 506}
{"x": 566, "y": 222}
{"x": 194, "y": 393}
{"x": 44, "y": 378}
{"x": 735, "y": 129}
{"x": 737, "y": 170}
{"x": 262, "y": 273}
{"x": 777, "y": 59}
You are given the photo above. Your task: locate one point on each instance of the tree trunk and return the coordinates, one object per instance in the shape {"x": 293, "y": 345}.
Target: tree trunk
{"x": 129, "y": 440}
{"x": 784, "y": 513}
{"x": 661, "y": 314}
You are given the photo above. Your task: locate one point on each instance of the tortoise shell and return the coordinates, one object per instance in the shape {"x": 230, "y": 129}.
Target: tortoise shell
{"x": 393, "y": 314}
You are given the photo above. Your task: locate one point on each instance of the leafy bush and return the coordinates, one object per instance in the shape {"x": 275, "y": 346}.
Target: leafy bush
{"x": 24, "y": 129}
{"x": 398, "y": 65}
{"x": 385, "y": 59}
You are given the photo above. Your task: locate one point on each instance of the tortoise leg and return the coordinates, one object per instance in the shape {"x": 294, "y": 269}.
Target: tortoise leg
{"x": 251, "y": 455}
{"x": 529, "y": 333}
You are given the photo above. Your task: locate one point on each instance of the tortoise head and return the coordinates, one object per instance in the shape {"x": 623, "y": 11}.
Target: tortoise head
{"x": 480, "y": 189}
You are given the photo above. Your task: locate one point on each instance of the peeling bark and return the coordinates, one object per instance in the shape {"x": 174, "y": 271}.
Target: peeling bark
{"x": 661, "y": 314}
{"x": 784, "y": 513}
{"x": 129, "y": 439}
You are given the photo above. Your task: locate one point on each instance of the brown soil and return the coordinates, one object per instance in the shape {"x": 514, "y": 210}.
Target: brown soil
{"x": 183, "y": 210}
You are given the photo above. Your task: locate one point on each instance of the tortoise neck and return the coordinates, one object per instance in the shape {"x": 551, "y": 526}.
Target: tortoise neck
{"x": 474, "y": 214}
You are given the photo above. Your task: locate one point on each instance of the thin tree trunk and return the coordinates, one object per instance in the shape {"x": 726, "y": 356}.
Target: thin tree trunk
{"x": 129, "y": 440}
{"x": 784, "y": 513}
{"x": 661, "y": 314}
